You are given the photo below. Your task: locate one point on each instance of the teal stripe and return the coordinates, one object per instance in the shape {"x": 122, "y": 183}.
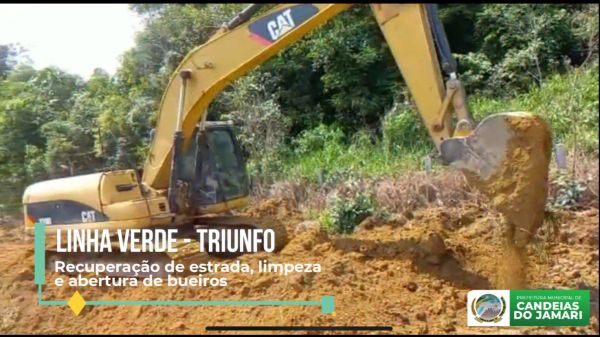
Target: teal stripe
{"x": 39, "y": 253}
{"x": 116, "y": 302}
{"x": 327, "y": 304}
{"x": 52, "y": 303}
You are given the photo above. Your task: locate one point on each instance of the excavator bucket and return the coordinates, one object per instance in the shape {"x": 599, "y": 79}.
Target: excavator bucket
{"x": 507, "y": 157}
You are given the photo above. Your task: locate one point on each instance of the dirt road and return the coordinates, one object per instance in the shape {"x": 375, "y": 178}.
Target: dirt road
{"x": 412, "y": 272}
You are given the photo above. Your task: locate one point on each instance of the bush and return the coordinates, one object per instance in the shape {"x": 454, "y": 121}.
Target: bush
{"x": 403, "y": 131}
{"x": 568, "y": 102}
{"x": 475, "y": 69}
{"x": 268, "y": 167}
{"x": 262, "y": 126}
{"x": 322, "y": 155}
{"x": 347, "y": 213}
{"x": 524, "y": 42}
{"x": 585, "y": 24}
{"x": 521, "y": 45}
{"x": 569, "y": 192}
{"x": 318, "y": 139}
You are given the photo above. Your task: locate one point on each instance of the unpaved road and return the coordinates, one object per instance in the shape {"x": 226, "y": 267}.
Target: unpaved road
{"x": 395, "y": 273}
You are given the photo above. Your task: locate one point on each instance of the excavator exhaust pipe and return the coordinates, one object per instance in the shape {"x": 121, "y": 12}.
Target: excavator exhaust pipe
{"x": 507, "y": 157}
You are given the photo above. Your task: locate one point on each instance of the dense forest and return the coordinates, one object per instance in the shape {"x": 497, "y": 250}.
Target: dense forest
{"x": 333, "y": 101}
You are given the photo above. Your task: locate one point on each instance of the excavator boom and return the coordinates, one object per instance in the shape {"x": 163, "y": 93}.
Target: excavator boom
{"x": 195, "y": 167}
{"x": 230, "y": 54}
{"x": 488, "y": 154}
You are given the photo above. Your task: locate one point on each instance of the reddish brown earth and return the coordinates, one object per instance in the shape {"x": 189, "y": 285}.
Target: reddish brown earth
{"x": 410, "y": 273}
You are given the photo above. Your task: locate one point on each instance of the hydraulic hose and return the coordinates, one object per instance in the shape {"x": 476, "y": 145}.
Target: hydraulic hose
{"x": 441, "y": 41}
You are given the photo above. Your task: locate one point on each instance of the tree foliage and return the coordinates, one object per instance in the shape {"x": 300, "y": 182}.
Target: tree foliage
{"x": 338, "y": 82}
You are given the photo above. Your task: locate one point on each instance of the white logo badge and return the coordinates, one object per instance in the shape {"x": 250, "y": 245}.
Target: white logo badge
{"x": 488, "y": 308}
{"x": 281, "y": 25}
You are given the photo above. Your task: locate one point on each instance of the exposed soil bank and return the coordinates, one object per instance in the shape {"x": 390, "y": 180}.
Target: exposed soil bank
{"x": 412, "y": 275}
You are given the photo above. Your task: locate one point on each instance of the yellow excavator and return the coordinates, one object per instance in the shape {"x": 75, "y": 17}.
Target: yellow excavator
{"x": 195, "y": 174}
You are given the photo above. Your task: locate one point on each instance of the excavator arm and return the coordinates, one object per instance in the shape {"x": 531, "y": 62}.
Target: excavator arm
{"x": 242, "y": 45}
{"x": 507, "y": 155}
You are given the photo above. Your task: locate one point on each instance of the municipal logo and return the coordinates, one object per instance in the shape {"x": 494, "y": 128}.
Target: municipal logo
{"x": 559, "y": 307}
{"x": 488, "y": 308}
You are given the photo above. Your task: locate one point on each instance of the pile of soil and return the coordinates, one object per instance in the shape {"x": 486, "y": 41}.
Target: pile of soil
{"x": 413, "y": 275}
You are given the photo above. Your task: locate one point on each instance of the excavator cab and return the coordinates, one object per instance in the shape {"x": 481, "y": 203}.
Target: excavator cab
{"x": 211, "y": 172}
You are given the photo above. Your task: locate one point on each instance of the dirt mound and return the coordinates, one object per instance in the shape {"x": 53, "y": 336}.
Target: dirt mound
{"x": 11, "y": 229}
{"x": 414, "y": 277}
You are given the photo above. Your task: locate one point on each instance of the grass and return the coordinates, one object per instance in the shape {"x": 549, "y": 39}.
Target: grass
{"x": 321, "y": 162}
{"x": 569, "y": 102}
{"x": 340, "y": 162}
{"x": 337, "y": 163}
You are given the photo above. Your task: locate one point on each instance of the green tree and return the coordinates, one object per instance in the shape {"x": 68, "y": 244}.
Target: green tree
{"x": 9, "y": 54}
{"x": 522, "y": 43}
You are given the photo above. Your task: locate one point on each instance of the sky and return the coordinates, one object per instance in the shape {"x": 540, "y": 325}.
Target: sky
{"x": 74, "y": 37}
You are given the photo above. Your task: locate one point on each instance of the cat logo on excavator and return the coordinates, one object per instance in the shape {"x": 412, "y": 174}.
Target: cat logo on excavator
{"x": 281, "y": 25}
{"x": 273, "y": 26}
